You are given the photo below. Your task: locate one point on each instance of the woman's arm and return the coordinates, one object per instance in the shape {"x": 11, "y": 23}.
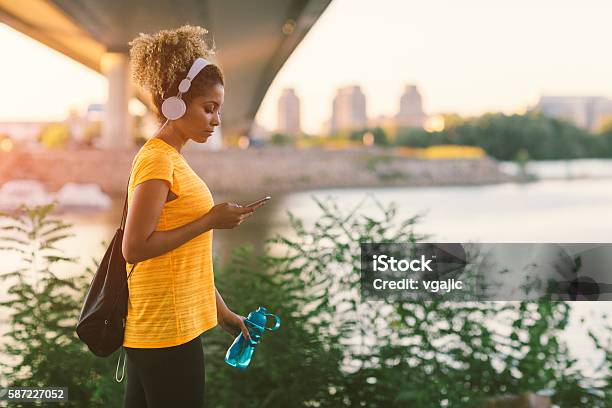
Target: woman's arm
{"x": 142, "y": 242}
{"x": 228, "y": 320}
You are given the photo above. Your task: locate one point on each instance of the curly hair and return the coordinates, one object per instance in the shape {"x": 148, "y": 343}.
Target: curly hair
{"x": 160, "y": 61}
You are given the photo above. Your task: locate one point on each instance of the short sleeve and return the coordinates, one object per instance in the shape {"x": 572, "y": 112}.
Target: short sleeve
{"x": 153, "y": 164}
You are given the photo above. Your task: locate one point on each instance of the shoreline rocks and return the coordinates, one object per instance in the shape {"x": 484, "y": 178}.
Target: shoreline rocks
{"x": 273, "y": 169}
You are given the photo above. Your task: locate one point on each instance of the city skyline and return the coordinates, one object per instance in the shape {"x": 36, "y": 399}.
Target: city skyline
{"x": 349, "y": 111}
{"x": 457, "y": 68}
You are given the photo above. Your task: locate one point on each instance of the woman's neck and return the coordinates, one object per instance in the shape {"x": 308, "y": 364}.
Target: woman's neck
{"x": 171, "y": 136}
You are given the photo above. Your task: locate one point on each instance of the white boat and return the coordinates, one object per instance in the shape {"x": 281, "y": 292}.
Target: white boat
{"x": 82, "y": 196}
{"x": 13, "y": 193}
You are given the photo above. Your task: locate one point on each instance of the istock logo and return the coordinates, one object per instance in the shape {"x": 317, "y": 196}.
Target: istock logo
{"x": 383, "y": 263}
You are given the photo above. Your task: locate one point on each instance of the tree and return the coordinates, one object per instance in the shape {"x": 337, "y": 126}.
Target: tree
{"x": 380, "y": 136}
{"x": 281, "y": 139}
{"x": 503, "y": 137}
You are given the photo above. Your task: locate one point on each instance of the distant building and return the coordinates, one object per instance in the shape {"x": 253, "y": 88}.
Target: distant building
{"x": 588, "y": 112}
{"x": 289, "y": 113}
{"x": 411, "y": 112}
{"x": 349, "y": 109}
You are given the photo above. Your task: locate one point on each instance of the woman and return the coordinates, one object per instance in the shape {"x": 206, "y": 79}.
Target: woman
{"x": 168, "y": 232}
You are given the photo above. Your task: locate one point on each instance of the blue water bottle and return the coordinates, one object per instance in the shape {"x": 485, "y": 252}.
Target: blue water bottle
{"x": 241, "y": 351}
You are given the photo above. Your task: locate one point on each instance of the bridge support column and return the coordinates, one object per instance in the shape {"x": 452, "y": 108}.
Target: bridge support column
{"x": 116, "y": 126}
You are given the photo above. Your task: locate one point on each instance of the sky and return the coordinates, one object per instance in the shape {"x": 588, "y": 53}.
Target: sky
{"x": 468, "y": 56}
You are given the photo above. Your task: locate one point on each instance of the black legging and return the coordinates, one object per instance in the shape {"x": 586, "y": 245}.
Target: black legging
{"x": 165, "y": 377}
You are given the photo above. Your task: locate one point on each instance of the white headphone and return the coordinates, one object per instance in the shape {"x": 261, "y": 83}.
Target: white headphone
{"x": 174, "y": 107}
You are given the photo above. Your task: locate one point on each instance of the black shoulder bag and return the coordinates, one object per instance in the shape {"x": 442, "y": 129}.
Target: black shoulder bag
{"x": 102, "y": 321}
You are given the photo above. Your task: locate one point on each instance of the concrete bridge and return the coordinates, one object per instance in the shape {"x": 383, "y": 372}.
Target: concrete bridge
{"x": 253, "y": 40}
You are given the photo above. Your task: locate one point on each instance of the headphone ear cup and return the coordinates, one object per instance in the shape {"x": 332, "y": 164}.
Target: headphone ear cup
{"x": 173, "y": 108}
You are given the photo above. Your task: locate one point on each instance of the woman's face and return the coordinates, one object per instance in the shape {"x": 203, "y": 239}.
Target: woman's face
{"x": 203, "y": 115}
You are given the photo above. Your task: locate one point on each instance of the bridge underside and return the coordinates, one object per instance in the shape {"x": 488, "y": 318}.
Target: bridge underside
{"x": 253, "y": 40}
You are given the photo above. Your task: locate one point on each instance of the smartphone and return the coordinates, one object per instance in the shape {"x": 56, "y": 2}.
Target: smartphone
{"x": 263, "y": 200}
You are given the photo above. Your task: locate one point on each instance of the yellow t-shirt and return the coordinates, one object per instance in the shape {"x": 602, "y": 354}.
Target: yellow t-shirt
{"x": 172, "y": 296}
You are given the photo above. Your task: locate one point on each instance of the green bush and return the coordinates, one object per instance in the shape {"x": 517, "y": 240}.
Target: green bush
{"x": 333, "y": 349}
{"x": 436, "y": 353}
{"x": 41, "y": 346}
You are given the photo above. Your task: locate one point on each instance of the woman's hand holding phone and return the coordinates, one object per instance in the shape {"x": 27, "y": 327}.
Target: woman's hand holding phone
{"x": 230, "y": 215}
{"x": 227, "y": 215}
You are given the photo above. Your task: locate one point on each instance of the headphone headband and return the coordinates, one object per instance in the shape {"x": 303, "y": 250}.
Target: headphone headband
{"x": 197, "y": 66}
{"x": 174, "y": 107}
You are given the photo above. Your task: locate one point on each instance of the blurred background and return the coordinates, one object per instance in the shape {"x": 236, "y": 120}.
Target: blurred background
{"x": 492, "y": 119}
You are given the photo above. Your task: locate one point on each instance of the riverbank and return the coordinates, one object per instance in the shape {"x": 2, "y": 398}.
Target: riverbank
{"x": 270, "y": 169}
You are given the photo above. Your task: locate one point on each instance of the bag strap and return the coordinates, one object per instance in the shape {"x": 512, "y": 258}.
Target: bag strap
{"x": 131, "y": 270}
{"x": 122, "y": 351}
{"x": 133, "y": 265}
{"x": 124, "y": 217}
